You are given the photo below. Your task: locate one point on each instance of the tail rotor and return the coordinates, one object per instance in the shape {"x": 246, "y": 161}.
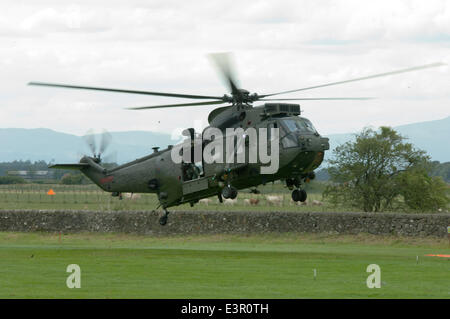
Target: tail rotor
{"x": 98, "y": 148}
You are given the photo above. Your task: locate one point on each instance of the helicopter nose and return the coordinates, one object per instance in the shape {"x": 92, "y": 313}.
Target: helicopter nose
{"x": 313, "y": 143}
{"x": 325, "y": 143}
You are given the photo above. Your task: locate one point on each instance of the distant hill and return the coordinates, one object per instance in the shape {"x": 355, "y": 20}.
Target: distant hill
{"x": 432, "y": 137}
{"x": 48, "y": 145}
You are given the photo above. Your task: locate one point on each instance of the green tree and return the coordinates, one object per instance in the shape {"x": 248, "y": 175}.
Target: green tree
{"x": 421, "y": 191}
{"x": 441, "y": 169}
{"x": 379, "y": 171}
{"x": 72, "y": 179}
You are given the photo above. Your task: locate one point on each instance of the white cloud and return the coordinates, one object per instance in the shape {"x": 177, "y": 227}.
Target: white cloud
{"x": 162, "y": 46}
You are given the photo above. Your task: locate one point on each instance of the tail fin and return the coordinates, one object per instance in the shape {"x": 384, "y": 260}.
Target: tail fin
{"x": 85, "y": 162}
{"x": 88, "y": 167}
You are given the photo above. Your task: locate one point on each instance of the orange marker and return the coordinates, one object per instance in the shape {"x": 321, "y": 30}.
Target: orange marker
{"x": 51, "y": 192}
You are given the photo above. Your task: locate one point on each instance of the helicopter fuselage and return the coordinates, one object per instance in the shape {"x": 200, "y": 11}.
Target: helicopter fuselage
{"x": 301, "y": 150}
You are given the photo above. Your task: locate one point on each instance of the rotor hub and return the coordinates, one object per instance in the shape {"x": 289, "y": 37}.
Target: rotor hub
{"x": 241, "y": 96}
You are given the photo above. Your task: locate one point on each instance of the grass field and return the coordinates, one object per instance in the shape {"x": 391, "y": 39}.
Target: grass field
{"x": 91, "y": 197}
{"x": 33, "y": 265}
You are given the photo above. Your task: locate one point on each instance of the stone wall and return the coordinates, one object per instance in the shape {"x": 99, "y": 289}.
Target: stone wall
{"x": 188, "y": 222}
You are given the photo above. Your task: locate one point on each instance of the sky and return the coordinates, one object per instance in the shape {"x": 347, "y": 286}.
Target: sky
{"x": 164, "y": 46}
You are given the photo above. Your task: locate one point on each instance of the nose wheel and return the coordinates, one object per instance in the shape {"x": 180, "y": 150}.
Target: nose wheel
{"x": 299, "y": 195}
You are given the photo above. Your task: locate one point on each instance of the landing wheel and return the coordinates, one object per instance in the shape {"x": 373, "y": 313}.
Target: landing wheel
{"x": 229, "y": 192}
{"x": 163, "y": 219}
{"x": 303, "y": 195}
{"x": 296, "y": 195}
{"x": 299, "y": 195}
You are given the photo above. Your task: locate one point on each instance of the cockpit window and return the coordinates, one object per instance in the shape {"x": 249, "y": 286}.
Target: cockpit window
{"x": 309, "y": 126}
{"x": 294, "y": 125}
{"x": 298, "y": 124}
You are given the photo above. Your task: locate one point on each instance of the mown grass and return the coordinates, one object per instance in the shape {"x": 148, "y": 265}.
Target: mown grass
{"x": 33, "y": 265}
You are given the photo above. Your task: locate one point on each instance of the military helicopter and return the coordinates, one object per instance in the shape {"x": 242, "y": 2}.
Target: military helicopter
{"x": 301, "y": 148}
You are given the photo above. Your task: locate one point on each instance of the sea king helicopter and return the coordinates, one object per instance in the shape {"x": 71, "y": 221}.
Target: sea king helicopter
{"x": 300, "y": 147}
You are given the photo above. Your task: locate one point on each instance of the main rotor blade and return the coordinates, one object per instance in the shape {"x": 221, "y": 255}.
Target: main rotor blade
{"x": 174, "y": 105}
{"x": 321, "y": 98}
{"x": 362, "y": 78}
{"x": 223, "y": 64}
{"x": 67, "y": 86}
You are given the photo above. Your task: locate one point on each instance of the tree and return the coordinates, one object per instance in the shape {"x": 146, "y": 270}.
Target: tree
{"x": 379, "y": 171}
{"x": 72, "y": 179}
{"x": 421, "y": 191}
{"x": 441, "y": 169}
